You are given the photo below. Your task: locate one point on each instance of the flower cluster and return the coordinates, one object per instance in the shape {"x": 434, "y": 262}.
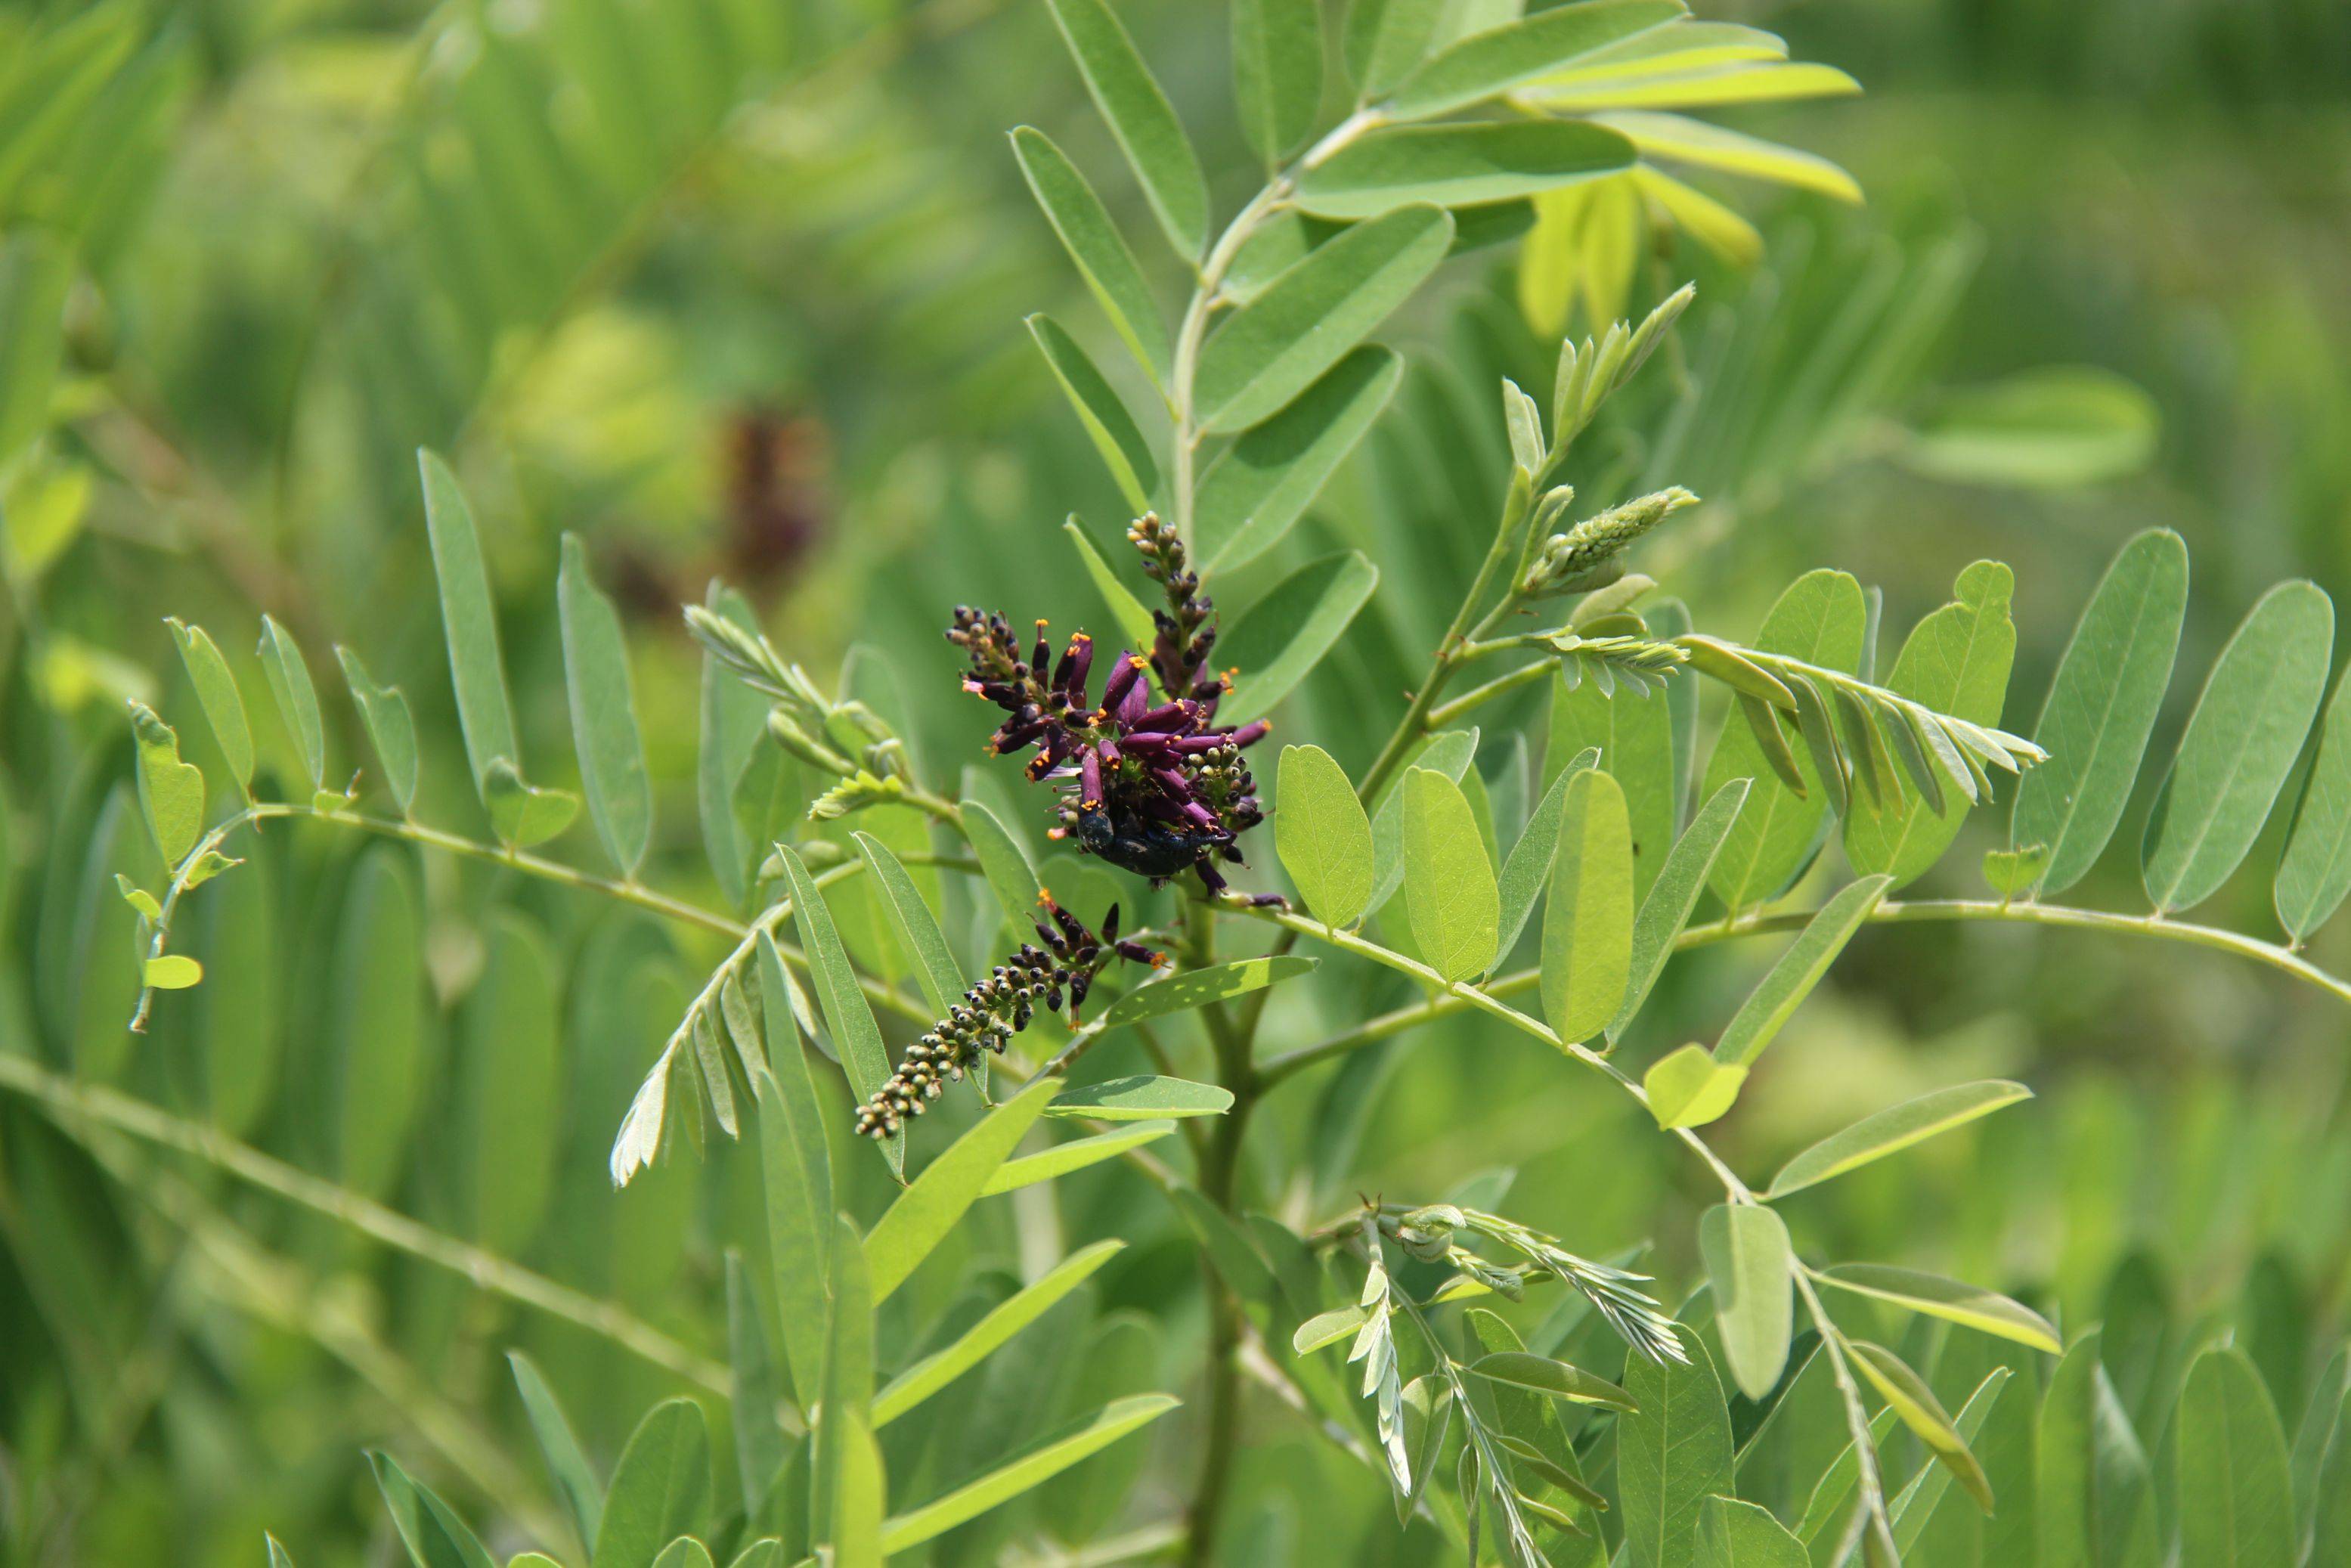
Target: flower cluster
{"x": 1591, "y": 554}
{"x": 999, "y": 1008}
{"x": 1152, "y": 785}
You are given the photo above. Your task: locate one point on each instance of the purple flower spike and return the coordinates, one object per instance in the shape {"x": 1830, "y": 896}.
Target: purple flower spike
{"x": 1147, "y": 780}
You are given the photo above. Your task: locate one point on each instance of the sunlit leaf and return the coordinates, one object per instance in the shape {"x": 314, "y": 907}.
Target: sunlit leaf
{"x": 1875, "y": 1136}
{"x": 1448, "y": 883}
{"x": 1587, "y": 936}
{"x": 1672, "y": 1453}
{"x": 298, "y": 699}
{"x": 1797, "y": 970}
{"x": 1322, "y": 835}
{"x": 1920, "y": 1411}
{"x": 1666, "y": 908}
{"x": 1047, "y": 1459}
{"x": 1144, "y": 1099}
{"x": 1976, "y": 1307}
{"x": 1277, "y": 72}
{"x": 1491, "y": 62}
{"x": 1077, "y": 1154}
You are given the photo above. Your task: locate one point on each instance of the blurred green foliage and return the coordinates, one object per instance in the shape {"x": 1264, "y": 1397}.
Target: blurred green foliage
{"x": 734, "y": 289}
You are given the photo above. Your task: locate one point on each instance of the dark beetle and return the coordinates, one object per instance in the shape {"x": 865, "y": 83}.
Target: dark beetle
{"x": 1155, "y": 850}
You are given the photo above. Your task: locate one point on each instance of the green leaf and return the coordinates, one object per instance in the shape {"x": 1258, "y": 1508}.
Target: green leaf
{"x": 1383, "y": 39}
{"x": 753, "y": 1397}
{"x": 1061, "y": 1159}
{"x": 1450, "y": 753}
{"x": 567, "y": 1463}
{"x": 1527, "y": 872}
{"x": 1277, "y": 72}
{"x": 1544, "y": 1375}
{"x": 1792, "y": 978}
{"x": 2093, "y": 1498}
{"x": 858, "y": 1500}
{"x": 278, "y": 1557}
{"x": 797, "y": 1184}
{"x": 1277, "y": 642}
{"x": 1987, "y": 1311}
{"x": 767, "y": 1553}
{"x": 1262, "y": 483}
{"x": 1132, "y": 619}
{"x": 298, "y": 699}
{"x": 2011, "y": 873}
{"x": 1635, "y": 738}
{"x": 733, "y": 731}
{"x": 35, "y": 273}
{"x": 1197, "y": 987}
{"x": 1688, "y": 1088}
{"x": 923, "y": 1215}
{"x": 1107, "y": 423}
{"x": 1487, "y": 64}
{"x": 1954, "y": 661}
{"x": 1141, "y": 118}
{"x": 2230, "y": 1465}
{"x": 2102, "y": 707}
{"x": 1914, "y": 1509}
{"x": 1920, "y": 1411}
{"x": 391, "y": 730}
{"x": 848, "y": 1384}
{"x": 1007, "y": 1318}
{"x": 171, "y": 792}
{"x": 1048, "y": 1458}
{"x": 2052, "y": 427}
{"x": 2314, "y": 871}
{"x": 235, "y": 1023}
{"x": 1825, "y": 1507}
{"x": 1734, "y": 1534}
{"x": 661, "y": 1487}
{"x": 377, "y": 1012}
{"x": 1278, "y": 345}
{"x": 216, "y": 691}
{"x": 523, "y": 814}
{"x": 685, "y": 1552}
{"x": 603, "y": 713}
{"x": 171, "y": 972}
{"x": 1145, "y": 1099}
{"x": 917, "y": 929}
{"x": 2239, "y": 746}
{"x": 1095, "y": 244}
{"x": 1889, "y": 1131}
{"x": 1448, "y": 883}
{"x": 510, "y": 1084}
{"x": 1459, "y": 165}
{"x": 1672, "y": 1453}
{"x": 2322, "y": 1467}
{"x": 1678, "y": 138}
{"x": 1749, "y": 1262}
{"x": 1818, "y": 620}
{"x": 431, "y": 1530}
{"x": 856, "y": 1036}
{"x": 1587, "y": 936}
{"x": 1674, "y": 894}
{"x": 1322, "y": 835}
{"x": 1002, "y": 862}
{"x": 475, "y": 667}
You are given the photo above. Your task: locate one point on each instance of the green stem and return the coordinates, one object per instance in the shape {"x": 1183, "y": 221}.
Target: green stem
{"x": 65, "y": 1098}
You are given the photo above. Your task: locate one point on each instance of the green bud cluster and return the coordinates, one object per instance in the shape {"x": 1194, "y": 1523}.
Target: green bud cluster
{"x": 1588, "y": 556}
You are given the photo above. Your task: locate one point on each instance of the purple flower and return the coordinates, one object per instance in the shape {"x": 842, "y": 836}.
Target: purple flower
{"x": 1147, "y": 780}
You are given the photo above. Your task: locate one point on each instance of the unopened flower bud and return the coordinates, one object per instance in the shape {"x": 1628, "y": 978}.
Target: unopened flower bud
{"x": 1585, "y": 556}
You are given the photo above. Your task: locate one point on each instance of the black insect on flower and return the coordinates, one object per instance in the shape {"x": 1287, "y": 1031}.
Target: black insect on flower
{"x": 1060, "y": 970}
{"x": 1148, "y": 780}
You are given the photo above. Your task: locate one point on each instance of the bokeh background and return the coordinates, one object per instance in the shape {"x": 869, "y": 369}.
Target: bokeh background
{"x": 732, "y": 290}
